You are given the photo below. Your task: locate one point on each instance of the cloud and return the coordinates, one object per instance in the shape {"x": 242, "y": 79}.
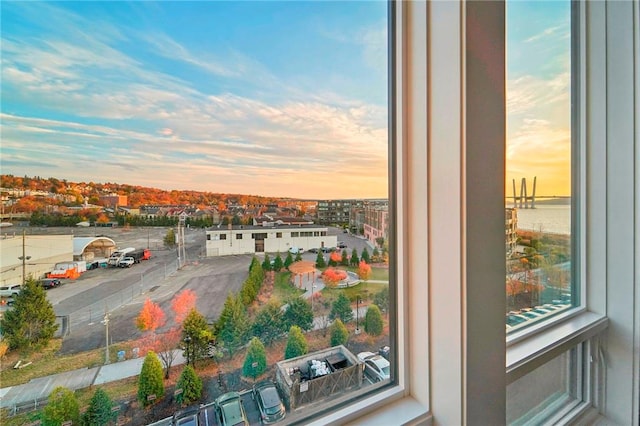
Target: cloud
{"x": 531, "y": 94}
{"x": 551, "y": 32}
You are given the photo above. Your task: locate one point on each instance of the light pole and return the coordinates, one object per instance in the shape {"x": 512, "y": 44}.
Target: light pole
{"x": 187, "y": 341}
{"x": 357, "y": 313}
{"x": 24, "y": 259}
{"x": 105, "y": 321}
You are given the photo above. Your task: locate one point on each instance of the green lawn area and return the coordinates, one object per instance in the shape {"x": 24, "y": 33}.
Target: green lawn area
{"x": 364, "y": 290}
{"x": 377, "y": 274}
{"x": 282, "y": 287}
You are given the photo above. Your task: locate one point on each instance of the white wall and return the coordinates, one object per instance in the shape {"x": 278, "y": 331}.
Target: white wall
{"x": 45, "y": 252}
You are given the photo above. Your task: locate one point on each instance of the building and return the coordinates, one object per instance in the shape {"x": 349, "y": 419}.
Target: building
{"x": 376, "y": 222}
{"x": 510, "y": 230}
{"x": 35, "y": 255}
{"x": 244, "y": 239}
{"x": 336, "y": 212}
{"x": 114, "y": 200}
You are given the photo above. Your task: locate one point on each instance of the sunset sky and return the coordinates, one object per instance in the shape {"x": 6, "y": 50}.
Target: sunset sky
{"x": 265, "y": 98}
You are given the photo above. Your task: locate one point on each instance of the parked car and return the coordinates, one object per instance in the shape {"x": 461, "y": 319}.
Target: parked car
{"x": 10, "y": 290}
{"x": 126, "y": 262}
{"x": 191, "y": 420}
{"x": 230, "y": 411}
{"x": 313, "y": 250}
{"x": 269, "y": 403}
{"x": 375, "y": 366}
{"x": 296, "y": 250}
{"x": 342, "y": 244}
{"x": 48, "y": 283}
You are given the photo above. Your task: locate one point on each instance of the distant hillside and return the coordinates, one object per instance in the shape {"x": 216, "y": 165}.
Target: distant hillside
{"x": 75, "y": 193}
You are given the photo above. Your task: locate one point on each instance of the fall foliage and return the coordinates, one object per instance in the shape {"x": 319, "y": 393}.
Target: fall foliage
{"x": 364, "y": 270}
{"x": 182, "y": 304}
{"x": 332, "y": 277}
{"x": 151, "y": 316}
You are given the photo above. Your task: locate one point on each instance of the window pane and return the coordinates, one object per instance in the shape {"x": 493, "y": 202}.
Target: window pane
{"x": 538, "y": 208}
{"x": 546, "y": 391}
{"x": 189, "y": 107}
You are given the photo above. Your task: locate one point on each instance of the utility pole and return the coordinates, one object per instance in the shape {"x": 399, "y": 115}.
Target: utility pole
{"x": 24, "y": 259}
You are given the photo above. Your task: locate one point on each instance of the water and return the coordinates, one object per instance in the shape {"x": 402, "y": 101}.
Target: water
{"x": 546, "y": 218}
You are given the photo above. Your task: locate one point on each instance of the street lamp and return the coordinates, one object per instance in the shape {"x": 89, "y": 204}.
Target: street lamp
{"x": 187, "y": 341}
{"x": 357, "y": 313}
{"x": 106, "y": 326}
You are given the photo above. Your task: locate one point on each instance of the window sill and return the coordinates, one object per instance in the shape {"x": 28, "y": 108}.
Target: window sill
{"x": 527, "y": 354}
{"x": 384, "y": 408}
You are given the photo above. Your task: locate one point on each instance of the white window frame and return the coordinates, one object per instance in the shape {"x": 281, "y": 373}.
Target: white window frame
{"x": 453, "y": 360}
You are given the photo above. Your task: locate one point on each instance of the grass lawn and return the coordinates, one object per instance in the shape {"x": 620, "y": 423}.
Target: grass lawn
{"x": 377, "y": 274}
{"x": 283, "y": 289}
{"x": 364, "y": 290}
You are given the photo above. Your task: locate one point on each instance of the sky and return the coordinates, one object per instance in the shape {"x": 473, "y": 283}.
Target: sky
{"x": 267, "y": 98}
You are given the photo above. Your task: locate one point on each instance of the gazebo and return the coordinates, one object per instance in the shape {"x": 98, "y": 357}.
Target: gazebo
{"x": 302, "y": 268}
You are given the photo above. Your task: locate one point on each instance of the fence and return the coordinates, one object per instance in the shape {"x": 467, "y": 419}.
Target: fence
{"x": 95, "y": 312}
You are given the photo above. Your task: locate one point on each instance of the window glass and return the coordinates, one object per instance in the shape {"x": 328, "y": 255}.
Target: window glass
{"x": 538, "y": 208}
{"x": 222, "y": 115}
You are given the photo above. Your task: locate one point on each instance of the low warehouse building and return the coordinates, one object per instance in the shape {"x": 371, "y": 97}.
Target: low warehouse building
{"x": 244, "y": 239}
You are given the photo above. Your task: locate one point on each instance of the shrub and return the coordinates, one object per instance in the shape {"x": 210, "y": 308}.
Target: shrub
{"x": 373, "y": 321}
{"x": 150, "y": 379}
{"x": 191, "y": 386}
{"x": 255, "y": 363}
{"x": 296, "y": 343}
{"x": 62, "y": 406}
{"x": 339, "y": 333}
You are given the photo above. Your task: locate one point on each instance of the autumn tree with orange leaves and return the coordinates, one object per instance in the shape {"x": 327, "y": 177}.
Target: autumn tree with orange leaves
{"x": 364, "y": 270}
{"x": 332, "y": 277}
{"x": 182, "y": 304}
{"x": 151, "y": 317}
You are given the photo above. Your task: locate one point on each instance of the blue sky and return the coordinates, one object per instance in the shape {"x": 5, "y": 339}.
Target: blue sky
{"x": 268, "y": 98}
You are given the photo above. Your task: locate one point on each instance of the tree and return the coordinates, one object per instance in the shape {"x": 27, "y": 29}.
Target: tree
{"x": 151, "y": 317}
{"x": 375, "y": 256}
{"x": 373, "y": 321}
{"x": 331, "y": 277}
{"x": 354, "y": 261}
{"x": 266, "y": 264}
{"x": 99, "y": 411}
{"x": 298, "y": 313}
{"x": 164, "y": 346}
{"x": 320, "y": 263}
{"x": 170, "y": 238}
{"x": 334, "y": 258}
{"x": 182, "y": 304}
{"x": 255, "y": 363}
{"x": 268, "y": 323}
{"x": 380, "y": 241}
{"x": 32, "y": 321}
{"x": 62, "y": 406}
{"x": 364, "y": 270}
{"x": 341, "y": 309}
{"x": 150, "y": 380}
{"x": 298, "y": 256}
{"x": 381, "y": 299}
{"x": 288, "y": 261}
{"x": 196, "y": 336}
{"x": 345, "y": 258}
{"x": 191, "y": 386}
{"x": 277, "y": 263}
{"x": 233, "y": 325}
{"x": 296, "y": 343}
{"x": 339, "y": 333}
{"x": 365, "y": 256}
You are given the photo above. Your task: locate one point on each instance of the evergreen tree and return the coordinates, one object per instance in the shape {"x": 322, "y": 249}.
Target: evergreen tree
{"x": 320, "y": 263}
{"x": 266, "y": 264}
{"x": 255, "y": 363}
{"x": 288, "y": 261}
{"x": 298, "y": 313}
{"x": 31, "y": 323}
{"x": 365, "y": 255}
{"x": 170, "y": 238}
{"x": 373, "y": 321}
{"x": 298, "y": 256}
{"x": 296, "y": 343}
{"x": 354, "y": 258}
{"x": 99, "y": 411}
{"x": 233, "y": 325}
{"x": 277, "y": 263}
{"x": 191, "y": 386}
{"x": 62, "y": 406}
{"x": 375, "y": 255}
{"x": 196, "y": 336}
{"x": 150, "y": 380}
{"x": 382, "y": 300}
{"x": 341, "y": 309}
{"x": 339, "y": 333}
{"x": 268, "y": 323}
{"x": 345, "y": 258}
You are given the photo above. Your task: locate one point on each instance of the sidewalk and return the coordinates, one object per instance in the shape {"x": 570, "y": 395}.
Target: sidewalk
{"x": 40, "y": 388}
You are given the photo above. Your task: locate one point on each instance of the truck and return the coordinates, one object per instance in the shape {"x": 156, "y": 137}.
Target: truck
{"x": 318, "y": 376}
{"x": 117, "y": 255}
{"x": 140, "y": 254}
